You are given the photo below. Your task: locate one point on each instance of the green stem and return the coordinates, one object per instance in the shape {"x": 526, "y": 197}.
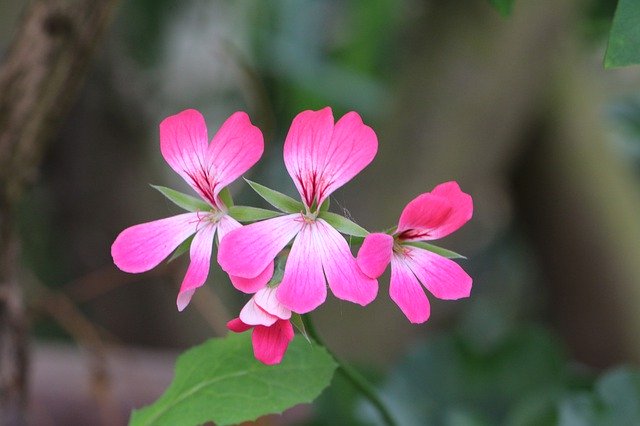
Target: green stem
{"x": 353, "y": 376}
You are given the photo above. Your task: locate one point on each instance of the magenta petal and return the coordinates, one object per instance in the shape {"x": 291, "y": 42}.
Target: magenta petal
{"x": 142, "y": 247}
{"x": 346, "y": 280}
{"x": 435, "y": 214}
{"x": 303, "y": 286}
{"x": 443, "y": 277}
{"x": 237, "y": 326}
{"x": 200, "y": 253}
{"x": 321, "y": 157}
{"x": 246, "y": 252}
{"x": 252, "y": 314}
{"x": 375, "y": 254}
{"x": 270, "y": 343}
{"x": 251, "y": 285}
{"x": 406, "y": 291}
{"x": 235, "y": 148}
{"x": 266, "y": 299}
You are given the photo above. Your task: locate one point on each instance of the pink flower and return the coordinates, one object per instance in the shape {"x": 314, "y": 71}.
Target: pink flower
{"x": 208, "y": 168}
{"x": 429, "y": 216}
{"x": 272, "y": 330}
{"x": 320, "y": 157}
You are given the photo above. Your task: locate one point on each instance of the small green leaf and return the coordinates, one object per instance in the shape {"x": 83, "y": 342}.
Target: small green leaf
{"x": 624, "y": 39}
{"x": 277, "y": 199}
{"x": 225, "y": 196}
{"x": 185, "y": 201}
{"x": 251, "y": 214}
{"x": 220, "y": 381}
{"x": 503, "y": 6}
{"x": 435, "y": 249}
{"x": 298, "y": 323}
{"x": 343, "y": 224}
{"x": 325, "y": 205}
{"x": 181, "y": 249}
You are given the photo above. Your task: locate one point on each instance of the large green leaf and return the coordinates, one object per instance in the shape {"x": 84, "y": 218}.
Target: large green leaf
{"x": 503, "y": 6}
{"x": 343, "y": 224}
{"x": 220, "y": 381}
{"x": 624, "y": 39}
{"x": 277, "y": 199}
{"x": 251, "y": 214}
{"x": 185, "y": 201}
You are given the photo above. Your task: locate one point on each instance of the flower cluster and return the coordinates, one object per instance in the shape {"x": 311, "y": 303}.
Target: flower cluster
{"x": 321, "y": 156}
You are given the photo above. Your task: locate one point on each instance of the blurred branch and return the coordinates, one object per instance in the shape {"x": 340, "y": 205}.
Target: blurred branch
{"x": 40, "y": 75}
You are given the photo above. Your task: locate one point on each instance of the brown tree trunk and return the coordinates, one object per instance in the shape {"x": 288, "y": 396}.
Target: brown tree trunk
{"x": 39, "y": 77}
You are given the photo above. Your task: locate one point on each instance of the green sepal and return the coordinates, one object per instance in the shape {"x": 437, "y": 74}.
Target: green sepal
{"x": 277, "y": 199}
{"x": 184, "y": 201}
{"x": 298, "y": 323}
{"x": 325, "y": 205}
{"x": 181, "y": 249}
{"x": 225, "y": 196}
{"x": 343, "y": 224}
{"x": 435, "y": 249}
{"x": 251, "y": 214}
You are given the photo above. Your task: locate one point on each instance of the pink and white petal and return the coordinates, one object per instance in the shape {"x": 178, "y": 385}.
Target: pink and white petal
{"x": 270, "y": 343}
{"x": 443, "y": 277}
{"x": 142, "y": 247}
{"x": 353, "y": 147}
{"x": 252, "y": 314}
{"x": 200, "y": 254}
{"x": 346, "y": 280}
{"x": 237, "y": 326}
{"x": 184, "y": 143}
{"x": 435, "y": 214}
{"x": 406, "y": 292}
{"x": 266, "y": 299}
{"x": 305, "y": 150}
{"x": 303, "y": 286}
{"x": 251, "y": 285}
{"x": 375, "y": 254}
{"x": 226, "y": 224}
{"x": 246, "y": 252}
{"x": 235, "y": 148}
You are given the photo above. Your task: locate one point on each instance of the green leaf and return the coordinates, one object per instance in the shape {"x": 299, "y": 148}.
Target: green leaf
{"x": 185, "y": 201}
{"x": 624, "y": 38}
{"x": 181, "y": 249}
{"x": 325, "y": 205}
{"x": 343, "y": 224}
{"x": 220, "y": 381}
{"x": 251, "y": 214}
{"x": 503, "y": 6}
{"x": 435, "y": 249}
{"x": 277, "y": 199}
{"x": 225, "y": 196}
{"x": 298, "y": 323}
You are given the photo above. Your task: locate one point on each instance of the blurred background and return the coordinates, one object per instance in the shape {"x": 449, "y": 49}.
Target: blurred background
{"x": 518, "y": 110}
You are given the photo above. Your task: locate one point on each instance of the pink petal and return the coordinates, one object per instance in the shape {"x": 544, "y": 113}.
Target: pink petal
{"x": 237, "y": 326}
{"x": 270, "y": 343}
{"x": 443, "y": 277}
{"x": 235, "y": 148}
{"x": 142, "y": 247}
{"x": 266, "y": 299}
{"x": 251, "y": 285}
{"x": 375, "y": 254}
{"x": 200, "y": 253}
{"x": 252, "y": 314}
{"x": 184, "y": 144}
{"x": 321, "y": 157}
{"x": 406, "y": 291}
{"x": 226, "y": 224}
{"x": 246, "y": 252}
{"x": 303, "y": 286}
{"x": 435, "y": 214}
{"x": 346, "y": 280}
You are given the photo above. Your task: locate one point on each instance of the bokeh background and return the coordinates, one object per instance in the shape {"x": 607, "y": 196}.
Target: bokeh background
{"x": 518, "y": 110}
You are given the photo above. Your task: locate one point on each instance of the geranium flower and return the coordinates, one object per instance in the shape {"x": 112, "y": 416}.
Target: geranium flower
{"x": 430, "y": 216}
{"x": 272, "y": 330}
{"x": 320, "y": 157}
{"x": 207, "y": 168}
